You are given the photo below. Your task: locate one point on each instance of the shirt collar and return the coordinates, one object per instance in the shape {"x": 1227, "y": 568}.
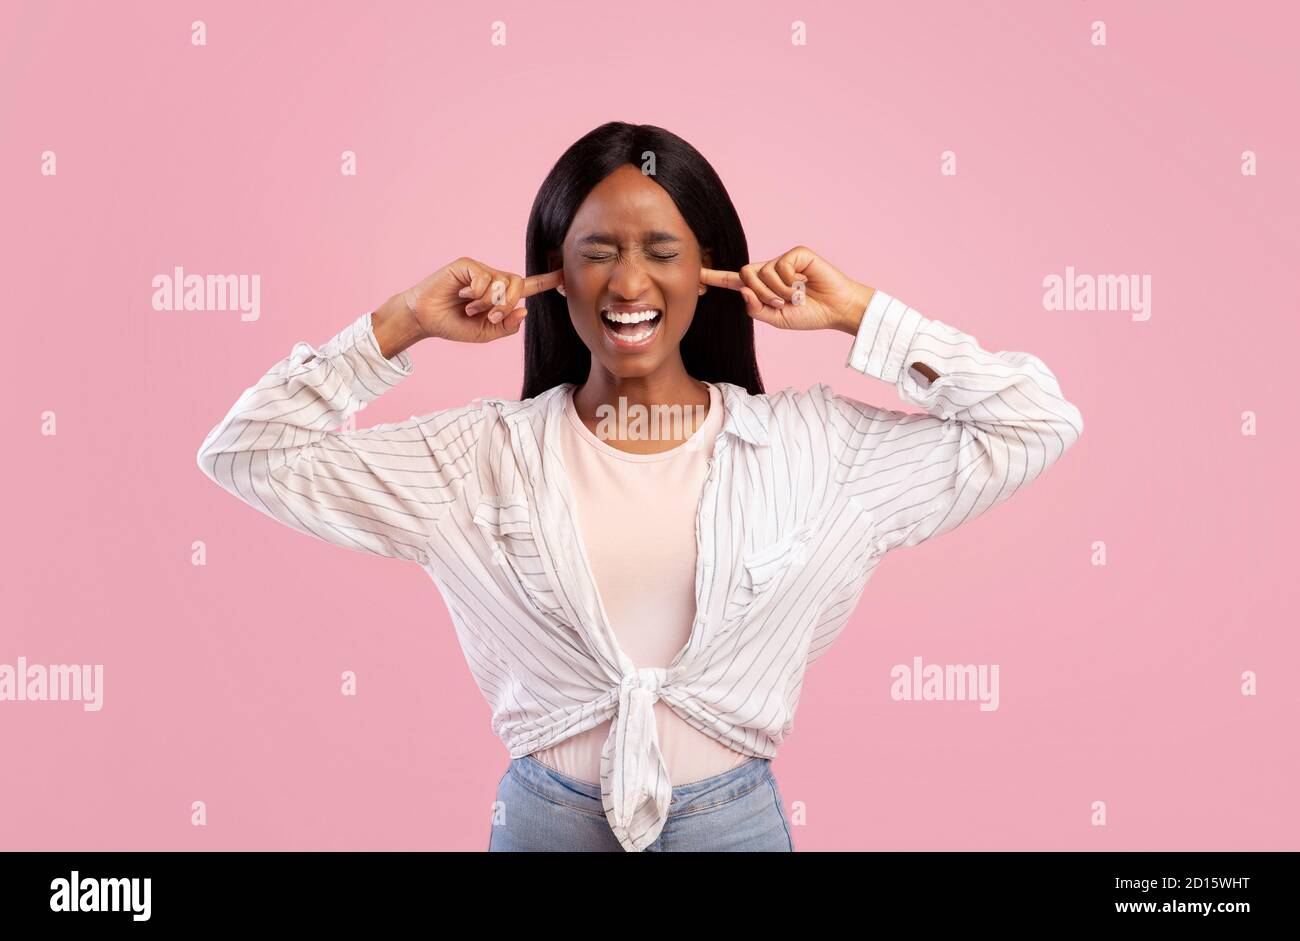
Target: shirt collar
{"x": 748, "y": 416}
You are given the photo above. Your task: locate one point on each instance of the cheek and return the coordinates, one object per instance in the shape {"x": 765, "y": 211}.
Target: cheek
{"x": 586, "y": 289}
{"x": 678, "y": 292}
{"x": 683, "y": 298}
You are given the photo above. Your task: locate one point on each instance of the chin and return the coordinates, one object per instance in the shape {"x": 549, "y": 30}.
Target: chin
{"x": 634, "y": 366}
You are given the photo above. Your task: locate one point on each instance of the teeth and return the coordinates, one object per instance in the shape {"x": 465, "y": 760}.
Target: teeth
{"x": 636, "y": 316}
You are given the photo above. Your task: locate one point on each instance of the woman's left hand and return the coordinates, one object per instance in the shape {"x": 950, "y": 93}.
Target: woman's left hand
{"x": 831, "y": 299}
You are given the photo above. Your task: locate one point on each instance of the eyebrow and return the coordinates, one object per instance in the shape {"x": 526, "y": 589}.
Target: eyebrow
{"x": 653, "y": 236}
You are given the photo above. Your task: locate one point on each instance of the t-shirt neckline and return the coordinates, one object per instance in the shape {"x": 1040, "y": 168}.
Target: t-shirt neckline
{"x": 700, "y": 436}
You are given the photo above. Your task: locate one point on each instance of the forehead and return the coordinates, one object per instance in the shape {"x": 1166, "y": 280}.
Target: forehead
{"x": 625, "y": 203}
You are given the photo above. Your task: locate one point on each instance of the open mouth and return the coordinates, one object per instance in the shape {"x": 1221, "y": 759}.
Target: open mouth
{"x": 631, "y": 328}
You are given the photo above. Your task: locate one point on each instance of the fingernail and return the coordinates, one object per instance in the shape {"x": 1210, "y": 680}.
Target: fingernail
{"x": 777, "y": 302}
{"x": 496, "y": 316}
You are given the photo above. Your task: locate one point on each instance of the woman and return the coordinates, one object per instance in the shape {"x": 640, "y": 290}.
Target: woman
{"x": 640, "y": 609}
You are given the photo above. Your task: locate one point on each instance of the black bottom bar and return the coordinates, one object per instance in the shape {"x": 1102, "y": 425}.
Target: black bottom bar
{"x": 336, "y": 890}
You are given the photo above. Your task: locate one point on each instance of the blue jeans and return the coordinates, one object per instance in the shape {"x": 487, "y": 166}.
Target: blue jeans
{"x": 740, "y": 810}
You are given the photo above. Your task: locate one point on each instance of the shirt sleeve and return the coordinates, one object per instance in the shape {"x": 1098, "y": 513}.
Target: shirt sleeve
{"x": 993, "y": 422}
{"x": 374, "y": 490}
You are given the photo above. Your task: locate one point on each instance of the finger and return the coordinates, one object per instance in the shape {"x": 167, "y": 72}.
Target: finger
{"x": 499, "y": 291}
{"x": 506, "y": 324}
{"x": 773, "y": 280}
{"x": 493, "y": 295}
{"x": 537, "y": 283}
{"x": 721, "y": 279}
{"x": 797, "y": 264}
{"x": 756, "y": 308}
{"x": 463, "y": 270}
{"x": 787, "y": 269}
{"x": 514, "y": 320}
{"x": 478, "y": 286}
{"x": 472, "y": 274}
{"x": 509, "y": 297}
{"x": 791, "y": 266}
{"x": 749, "y": 274}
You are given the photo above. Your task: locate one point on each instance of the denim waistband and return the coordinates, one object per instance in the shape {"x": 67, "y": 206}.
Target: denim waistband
{"x": 686, "y": 798}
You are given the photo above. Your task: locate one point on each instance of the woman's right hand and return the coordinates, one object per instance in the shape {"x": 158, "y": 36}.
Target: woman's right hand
{"x": 469, "y": 302}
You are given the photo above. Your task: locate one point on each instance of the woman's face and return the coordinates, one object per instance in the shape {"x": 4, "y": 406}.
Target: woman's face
{"x": 630, "y": 256}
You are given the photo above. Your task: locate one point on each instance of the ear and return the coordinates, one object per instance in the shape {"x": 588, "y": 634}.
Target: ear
{"x": 555, "y": 260}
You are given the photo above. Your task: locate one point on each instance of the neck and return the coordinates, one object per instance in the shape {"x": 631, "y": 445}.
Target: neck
{"x": 669, "y": 385}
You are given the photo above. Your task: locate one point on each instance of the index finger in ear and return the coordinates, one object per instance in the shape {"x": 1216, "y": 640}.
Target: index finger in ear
{"x": 536, "y": 284}
{"x": 721, "y": 279}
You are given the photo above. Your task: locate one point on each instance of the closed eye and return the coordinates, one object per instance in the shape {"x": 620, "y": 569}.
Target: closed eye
{"x": 662, "y": 256}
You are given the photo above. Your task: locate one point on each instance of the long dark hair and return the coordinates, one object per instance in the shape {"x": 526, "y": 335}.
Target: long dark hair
{"x": 719, "y": 346}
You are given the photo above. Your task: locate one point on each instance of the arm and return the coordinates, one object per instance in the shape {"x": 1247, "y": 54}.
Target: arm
{"x": 375, "y": 490}
{"x": 993, "y": 422}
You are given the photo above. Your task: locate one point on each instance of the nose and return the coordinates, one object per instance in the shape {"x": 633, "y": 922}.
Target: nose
{"x": 629, "y": 283}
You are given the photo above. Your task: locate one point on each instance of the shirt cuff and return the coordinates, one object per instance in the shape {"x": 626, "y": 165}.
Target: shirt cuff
{"x": 398, "y": 367}
{"x": 884, "y": 337}
{"x": 368, "y": 373}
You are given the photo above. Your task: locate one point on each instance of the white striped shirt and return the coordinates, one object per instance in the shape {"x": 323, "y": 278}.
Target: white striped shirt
{"x": 806, "y": 491}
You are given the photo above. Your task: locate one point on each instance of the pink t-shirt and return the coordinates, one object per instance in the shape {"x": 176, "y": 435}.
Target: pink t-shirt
{"x": 637, "y": 513}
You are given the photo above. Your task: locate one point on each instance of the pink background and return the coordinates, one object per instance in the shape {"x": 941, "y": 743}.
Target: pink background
{"x": 1118, "y": 683}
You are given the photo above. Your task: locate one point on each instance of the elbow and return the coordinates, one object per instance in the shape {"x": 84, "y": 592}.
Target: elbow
{"x": 1072, "y": 429}
{"x": 207, "y": 462}
{"x": 207, "y": 457}
{"x": 1058, "y": 435}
